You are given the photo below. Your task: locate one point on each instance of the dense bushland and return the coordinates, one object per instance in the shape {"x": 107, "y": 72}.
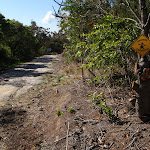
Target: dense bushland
{"x": 100, "y": 35}
{"x": 19, "y": 43}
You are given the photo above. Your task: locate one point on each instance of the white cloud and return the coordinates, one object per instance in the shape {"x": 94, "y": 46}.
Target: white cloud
{"x": 49, "y": 17}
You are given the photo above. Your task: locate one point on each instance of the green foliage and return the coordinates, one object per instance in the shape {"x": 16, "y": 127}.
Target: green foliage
{"x": 109, "y": 43}
{"x": 76, "y": 24}
{"x": 19, "y": 43}
{"x": 5, "y": 53}
{"x": 59, "y": 113}
{"x": 100, "y": 33}
{"x": 59, "y": 78}
{"x": 106, "y": 46}
{"x": 99, "y": 102}
{"x": 42, "y": 50}
{"x": 71, "y": 110}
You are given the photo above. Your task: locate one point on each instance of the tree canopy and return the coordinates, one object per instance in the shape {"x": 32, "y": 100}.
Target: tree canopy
{"x": 101, "y": 32}
{"x": 19, "y": 43}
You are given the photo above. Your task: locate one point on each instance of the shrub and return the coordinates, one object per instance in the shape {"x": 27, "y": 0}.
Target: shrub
{"x": 59, "y": 113}
{"x": 71, "y": 110}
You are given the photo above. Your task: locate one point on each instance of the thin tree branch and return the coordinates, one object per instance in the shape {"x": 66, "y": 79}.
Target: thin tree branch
{"x": 58, "y": 15}
{"x": 131, "y": 20}
{"x": 128, "y": 5}
{"x": 99, "y": 7}
{"x": 60, "y": 6}
{"x": 59, "y": 3}
{"x": 148, "y": 20}
{"x": 54, "y": 9}
{"x": 64, "y": 137}
{"x": 91, "y": 73}
{"x": 139, "y": 27}
{"x": 134, "y": 21}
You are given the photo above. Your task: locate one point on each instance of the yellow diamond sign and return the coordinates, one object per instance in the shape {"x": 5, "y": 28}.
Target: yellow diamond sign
{"x": 142, "y": 45}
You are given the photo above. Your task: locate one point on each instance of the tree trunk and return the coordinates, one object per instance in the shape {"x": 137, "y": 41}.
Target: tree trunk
{"x": 144, "y": 17}
{"x": 142, "y": 86}
{"x": 143, "y": 91}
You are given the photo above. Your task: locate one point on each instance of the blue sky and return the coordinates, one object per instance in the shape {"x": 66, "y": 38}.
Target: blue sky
{"x": 26, "y": 10}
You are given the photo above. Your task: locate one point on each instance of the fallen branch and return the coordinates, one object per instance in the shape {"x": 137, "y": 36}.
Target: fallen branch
{"x": 111, "y": 145}
{"x": 137, "y": 147}
{"x": 132, "y": 142}
{"x": 143, "y": 144}
{"x": 67, "y": 137}
{"x": 85, "y": 121}
{"x": 128, "y": 126}
{"x": 64, "y": 137}
{"x": 95, "y": 121}
{"x": 128, "y": 5}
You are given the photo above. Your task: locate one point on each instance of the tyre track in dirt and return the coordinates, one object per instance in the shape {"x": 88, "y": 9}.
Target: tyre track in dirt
{"x": 19, "y": 80}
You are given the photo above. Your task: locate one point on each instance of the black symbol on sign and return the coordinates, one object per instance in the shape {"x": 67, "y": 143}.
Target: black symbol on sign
{"x": 142, "y": 47}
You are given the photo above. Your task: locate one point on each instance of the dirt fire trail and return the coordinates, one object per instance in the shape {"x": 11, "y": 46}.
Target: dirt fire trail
{"x": 18, "y": 80}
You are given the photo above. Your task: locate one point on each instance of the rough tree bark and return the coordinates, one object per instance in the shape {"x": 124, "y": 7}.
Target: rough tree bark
{"x": 142, "y": 85}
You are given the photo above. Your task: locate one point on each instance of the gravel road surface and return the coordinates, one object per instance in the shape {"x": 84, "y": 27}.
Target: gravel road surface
{"x": 19, "y": 80}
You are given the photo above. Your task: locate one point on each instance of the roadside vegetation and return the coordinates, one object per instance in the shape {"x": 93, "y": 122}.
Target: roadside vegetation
{"x": 20, "y": 43}
{"x": 65, "y": 111}
{"x": 84, "y": 103}
{"x": 100, "y": 34}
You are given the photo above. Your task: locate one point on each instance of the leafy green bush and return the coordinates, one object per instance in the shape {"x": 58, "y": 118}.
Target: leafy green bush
{"x": 42, "y": 50}
{"x": 5, "y": 53}
{"x": 59, "y": 113}
{"x": 109, "y": 43}
{"x": 98, "y": 102}
{"x": 71, "y": 110}
{"x": 106, "y": 47}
